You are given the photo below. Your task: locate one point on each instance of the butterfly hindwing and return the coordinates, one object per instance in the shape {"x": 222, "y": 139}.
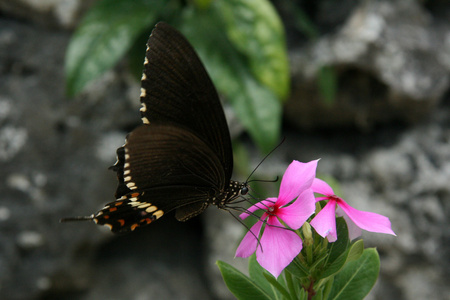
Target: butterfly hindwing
{"x": 165, "y": 156}
{"x": 141, "y": 208}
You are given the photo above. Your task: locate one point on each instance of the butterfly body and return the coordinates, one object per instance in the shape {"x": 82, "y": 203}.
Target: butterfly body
{"x": 181, "y": 157}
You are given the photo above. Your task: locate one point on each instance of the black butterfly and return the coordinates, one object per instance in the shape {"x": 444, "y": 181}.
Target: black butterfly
{"x": 181, "y": 157}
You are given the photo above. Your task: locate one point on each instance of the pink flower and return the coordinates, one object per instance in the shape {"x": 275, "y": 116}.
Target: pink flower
{"x": 279, "y": 245}
{"x": 325, "y": 221}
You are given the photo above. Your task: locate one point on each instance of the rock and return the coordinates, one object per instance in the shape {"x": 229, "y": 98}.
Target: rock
{"x": 57, "y": 13}
{"x": 390, "y": 62}
{"x": 54, "y": 154}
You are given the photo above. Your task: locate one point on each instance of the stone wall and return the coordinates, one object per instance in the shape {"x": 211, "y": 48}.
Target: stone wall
{"x": 386, "y": 139}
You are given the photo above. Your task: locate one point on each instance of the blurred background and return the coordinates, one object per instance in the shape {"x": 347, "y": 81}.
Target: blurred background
{"x": 363, "y": 85}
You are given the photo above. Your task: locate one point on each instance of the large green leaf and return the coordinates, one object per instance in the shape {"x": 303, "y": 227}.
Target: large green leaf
{"x": 241, "y": 286}
{"x": 106, "y": 33}
{"x": 255, "y": 28}
{"x": 255, "y": 105}
{"x": 357, "y": 278}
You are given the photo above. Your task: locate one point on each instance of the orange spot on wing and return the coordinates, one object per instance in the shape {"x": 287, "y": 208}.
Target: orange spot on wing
{"x": 121, "y": 221}
{"x": 106, "y": 217}
{"x": 112, "y": 209}
{"x": 133, "y": 227}
{"x": 118, "y": 203}
{"x": 134, "y": 195}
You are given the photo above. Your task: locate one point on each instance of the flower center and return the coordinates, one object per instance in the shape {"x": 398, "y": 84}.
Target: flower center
{"x": 272, "y": 210}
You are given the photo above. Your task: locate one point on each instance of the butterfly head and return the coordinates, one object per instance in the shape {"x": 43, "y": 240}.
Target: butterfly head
{"x": 235, "y": 190}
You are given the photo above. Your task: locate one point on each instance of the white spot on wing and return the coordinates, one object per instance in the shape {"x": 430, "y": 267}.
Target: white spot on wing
{"x": 131, "y": 185}
{"x": 151, "y": 209}
{"x": 158, "y": 214}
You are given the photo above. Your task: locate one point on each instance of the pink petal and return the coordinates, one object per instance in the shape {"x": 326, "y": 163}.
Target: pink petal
{"x": 279, "y": 247}
{"x": 367, "y": 220}
{"x": 297, "y": 178}
{"x": 298, "y": 212}
{"x": 353, "y": 230}
{"x": 249, "y": 242}
{"x": 321, "y": 187}
{"x": 264, "y": 204}
{"x": 325, "y": 221}
{"x": 322, "y": 198}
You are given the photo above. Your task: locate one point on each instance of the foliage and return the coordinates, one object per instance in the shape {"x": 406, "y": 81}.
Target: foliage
{"x": 339, "y": 270}
{"x": 241, "y": 42}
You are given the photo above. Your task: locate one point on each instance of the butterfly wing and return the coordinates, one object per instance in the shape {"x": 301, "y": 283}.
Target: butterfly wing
{"x": 177, "y": 91}
{"x": 181, "y": 158}
{"x": 161, "y": 168}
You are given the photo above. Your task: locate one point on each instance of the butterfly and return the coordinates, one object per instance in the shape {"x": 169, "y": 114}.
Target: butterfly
{"x": 180, "y": 158}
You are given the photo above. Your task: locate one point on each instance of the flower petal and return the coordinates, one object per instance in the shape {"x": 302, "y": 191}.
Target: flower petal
{"x": 367, "y": 220}
{"x": 353, "y": 230}
{"x": 264, "y": 204}
{"x": 279, "y": 247}
{"x": 297, "y": 178}
{"x": 325, "y": 221}
{"x": 321, "y": 187}
{"x": 298, "y": 212}
{"x": 249, "y": 242}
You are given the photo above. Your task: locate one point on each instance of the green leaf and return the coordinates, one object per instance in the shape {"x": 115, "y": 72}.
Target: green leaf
{"x": 338, "y": 251}
{"x": 275, "y": 283}
{"x": 240, "y": 285}
{"x": 256, "y": 30}
{"x": 136, "y": 54}
{"x": 106, "y": 33}
{"x": 328, "y": 286}
{"x": 357, "y": 278}
{"x": 318, "y": 295}
{"x": 356, "y": 250}
{"x": 302, "y": 21}
{"x": 297, "y": 269}
{"x": 335, "y": 265}
{"x": 202, "y": 4}
{"x": 327, "y": 82}
{"x": 291, "y": 284}
{"x": 256, "y": 273}
{"x": 255, "y": 105}
{"x": 342, "y": 243}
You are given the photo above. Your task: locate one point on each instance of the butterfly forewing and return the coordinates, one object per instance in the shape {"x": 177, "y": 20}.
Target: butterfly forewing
{"x": 176, "y": 90}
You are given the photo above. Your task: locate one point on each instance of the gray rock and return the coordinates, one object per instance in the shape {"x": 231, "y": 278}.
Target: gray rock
{"x": 391, "y": 63}
{"x": 54, "y": 153}
{"x": 57, "y": 13}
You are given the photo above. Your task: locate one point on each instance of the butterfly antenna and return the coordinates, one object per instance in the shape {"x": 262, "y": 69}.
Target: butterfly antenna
{"x": 75, "y": 219}
{"x": 265, "y": 157}
{"x": 249, "y": 230}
